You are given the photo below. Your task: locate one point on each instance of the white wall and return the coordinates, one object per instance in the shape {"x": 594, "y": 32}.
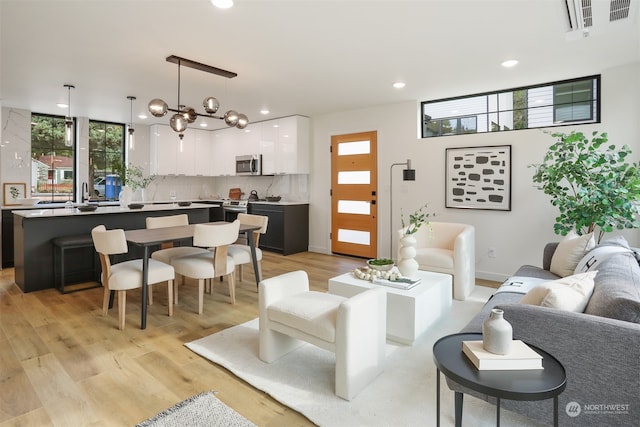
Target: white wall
{"x": 518, "y": 236}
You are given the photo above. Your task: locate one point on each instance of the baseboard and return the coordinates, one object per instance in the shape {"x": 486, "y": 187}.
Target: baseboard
{"x": 487, "y": 275}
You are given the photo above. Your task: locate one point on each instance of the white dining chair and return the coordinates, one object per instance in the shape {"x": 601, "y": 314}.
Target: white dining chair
{"x": 167, "y": 250}
{"x": 212, "y": 263}
{"x": 241, "y": 253}
{"x": 126, "y": 275}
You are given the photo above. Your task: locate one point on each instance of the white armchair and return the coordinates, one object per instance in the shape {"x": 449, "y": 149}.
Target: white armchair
{"x": 447, "y": 247}
{"x": 353, "y": 328}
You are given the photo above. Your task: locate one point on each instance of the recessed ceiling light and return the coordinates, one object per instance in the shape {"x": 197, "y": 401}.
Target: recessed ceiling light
{"x": 264, "y": 112}
{"x": 61, "y": 105}
{"x": 510, "y": 63}
{"x": 142, "y": 116}
{"x": 203, "y": 125}
{"x": 276, "y": 126}
{"x": 222, "y": 4}
{"x": 398, "y": 85}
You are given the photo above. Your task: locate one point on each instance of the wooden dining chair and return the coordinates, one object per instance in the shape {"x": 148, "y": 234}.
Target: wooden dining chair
{"x": 167, "y": 250}
{"x": 241, "y": 253}
{"x": 126, "y": 275}
{"x": 212, "y": 263}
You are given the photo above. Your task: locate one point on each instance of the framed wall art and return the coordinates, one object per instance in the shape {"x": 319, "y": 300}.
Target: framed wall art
{"x": 478, "y": 178}
{"x": 12, "y": 192}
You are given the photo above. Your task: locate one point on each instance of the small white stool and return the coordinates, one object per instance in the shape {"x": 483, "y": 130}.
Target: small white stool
{"x": 353, "y": 328}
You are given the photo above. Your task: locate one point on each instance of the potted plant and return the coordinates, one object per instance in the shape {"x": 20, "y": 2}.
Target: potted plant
{"x": 591, "y": 183}
{"x": 132, "y": 178}
{"x": 407, "y": 264}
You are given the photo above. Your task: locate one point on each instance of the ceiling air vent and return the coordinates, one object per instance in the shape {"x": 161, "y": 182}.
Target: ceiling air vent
{"x": 619, "y": 9}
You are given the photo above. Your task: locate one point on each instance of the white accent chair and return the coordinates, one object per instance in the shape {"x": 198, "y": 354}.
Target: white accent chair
{"x": 126, "y": 275}
{"x": 167, "y": 250}
{"x": 241, "y": 254}
{"x": 211, "y": 263}
{"x": 353, "y": 328}
{"x": 447, "y": 247}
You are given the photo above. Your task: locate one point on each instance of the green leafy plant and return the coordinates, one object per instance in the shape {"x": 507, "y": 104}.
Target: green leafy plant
{"x": 132, "y": 176}
{"x": 591, "y": 183}
{"x": 416, "y": 220}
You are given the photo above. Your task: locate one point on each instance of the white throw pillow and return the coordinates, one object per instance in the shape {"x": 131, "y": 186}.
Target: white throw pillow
{"x": 570, "y": 293}
{"x": 569, "y": 252}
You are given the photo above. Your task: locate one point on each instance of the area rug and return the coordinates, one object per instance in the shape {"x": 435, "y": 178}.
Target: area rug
{"x": 404, "y": 395}
{"x": 201, "y": 410}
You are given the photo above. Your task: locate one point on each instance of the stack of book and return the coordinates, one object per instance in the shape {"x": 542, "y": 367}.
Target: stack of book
{"x": 521, "y": 356}
{"x": 402, "y": 283}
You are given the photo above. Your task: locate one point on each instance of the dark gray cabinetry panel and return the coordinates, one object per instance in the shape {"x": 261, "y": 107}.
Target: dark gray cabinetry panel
{"x": 288, "y": 228}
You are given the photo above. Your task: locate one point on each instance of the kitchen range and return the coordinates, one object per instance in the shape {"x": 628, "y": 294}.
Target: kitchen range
{"x": 232, "y": 208}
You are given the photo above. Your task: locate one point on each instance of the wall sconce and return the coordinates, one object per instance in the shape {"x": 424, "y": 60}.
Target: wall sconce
{"x": 131, "y": 130}
{"x": 68, "y": 121}
{"x": 185, "y": 115}
{"x": 408, "y": 174}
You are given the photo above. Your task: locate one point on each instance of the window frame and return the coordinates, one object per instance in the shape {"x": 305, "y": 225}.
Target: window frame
{"x": 595, "y": 104}
{"x": 108, "y": 165}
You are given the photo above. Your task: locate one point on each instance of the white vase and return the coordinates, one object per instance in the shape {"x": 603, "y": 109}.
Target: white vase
{"x": 497, "y": 333}
{"x": 407, "y": 264}
{"x": 125, "y": 196}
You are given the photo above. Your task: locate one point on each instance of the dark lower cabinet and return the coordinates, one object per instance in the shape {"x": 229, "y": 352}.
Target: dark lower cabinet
{"x": 288, "y": 227}
{"x": 7, "y": 238}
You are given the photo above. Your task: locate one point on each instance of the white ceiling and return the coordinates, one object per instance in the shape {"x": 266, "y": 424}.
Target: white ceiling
{"x": 293, "y": 57}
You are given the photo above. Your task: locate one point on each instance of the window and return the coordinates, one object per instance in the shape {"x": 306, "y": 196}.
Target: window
{"x": 574, "y": 101}
{"x": 52, "y": 162}
{"x": 106, "y": 150}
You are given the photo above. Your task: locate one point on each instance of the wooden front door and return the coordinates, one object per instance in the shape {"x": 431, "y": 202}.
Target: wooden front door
{"x": 354, "y": 209}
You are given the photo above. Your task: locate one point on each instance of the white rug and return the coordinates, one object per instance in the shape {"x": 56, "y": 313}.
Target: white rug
{"x": 404, "y": 395}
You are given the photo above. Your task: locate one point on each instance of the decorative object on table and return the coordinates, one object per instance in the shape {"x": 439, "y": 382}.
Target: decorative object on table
{"x": 497, "y": 333}
{"x": 87, "y": 208}
{"x": 478, "y": 178}
{"x": 408, "y": 174}
{"x": 592, "y": 188}
{"x": 12, "y": 192}
{"x": 521, "y": 356}
{"x": 132, "y": 178}
{"x": 273, "y": 198}
{"x": 135, "y": 205}
{"x": 407, "y": 264}
{"x": 403, "y": 283}
{"x": 183, "y": 204}
{"x": 185, "y": 115}
{"x": 29, "y": 202}
{"x": 370, "y": 274}
{"x": 381, "y": 264}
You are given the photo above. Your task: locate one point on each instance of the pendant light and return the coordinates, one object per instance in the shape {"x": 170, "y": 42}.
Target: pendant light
{"x": 185, "y": 115}
{"x": 68, "y": 121}
{"x": 131, "y": 130}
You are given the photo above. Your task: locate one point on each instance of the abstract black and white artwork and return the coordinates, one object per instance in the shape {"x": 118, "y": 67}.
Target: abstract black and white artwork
{"x": 479, "y": 178}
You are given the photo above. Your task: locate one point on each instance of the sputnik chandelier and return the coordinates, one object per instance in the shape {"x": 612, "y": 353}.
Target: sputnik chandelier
{"x": 185, "y": 115}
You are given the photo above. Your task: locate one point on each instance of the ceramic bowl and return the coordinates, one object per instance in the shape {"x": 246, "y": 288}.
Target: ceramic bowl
{"x": 184, "y": 203}
{"x": 87, "y": 208}
{"x": 380, "y": 267}
{"x": 273, "y": 198}
{"x": 135, "y": 205}
{"x": 29, "y": 202}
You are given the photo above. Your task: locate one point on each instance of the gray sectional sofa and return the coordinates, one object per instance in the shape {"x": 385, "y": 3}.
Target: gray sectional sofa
{"x": 600, "y": 348}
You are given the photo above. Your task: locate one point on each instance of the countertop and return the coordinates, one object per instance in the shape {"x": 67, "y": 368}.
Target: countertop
{"x": 50, "y": 213}
{"x": 45, "y": 206}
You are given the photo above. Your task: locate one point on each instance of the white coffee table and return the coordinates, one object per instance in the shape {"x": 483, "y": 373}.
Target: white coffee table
{"x": 409, "y": 313}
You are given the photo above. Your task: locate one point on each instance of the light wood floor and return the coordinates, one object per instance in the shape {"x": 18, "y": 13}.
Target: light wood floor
{"x": 64, "y": 364}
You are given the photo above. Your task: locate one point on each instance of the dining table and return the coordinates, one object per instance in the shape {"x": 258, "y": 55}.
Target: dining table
{"x": 147, "y": 238}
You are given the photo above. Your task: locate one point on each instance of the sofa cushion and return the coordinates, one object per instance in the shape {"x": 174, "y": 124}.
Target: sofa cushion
{"x": 569, "y": 252}
{"x": 617, "y": 289}
{"x": 569, "y": 293}
{"x": 601, "y": 252}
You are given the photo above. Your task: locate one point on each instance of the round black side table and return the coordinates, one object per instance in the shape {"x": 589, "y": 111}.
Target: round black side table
{"x": 508, "y": 384}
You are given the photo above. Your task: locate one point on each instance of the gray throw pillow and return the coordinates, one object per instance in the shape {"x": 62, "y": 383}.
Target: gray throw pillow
{"x": 617, "y": 289}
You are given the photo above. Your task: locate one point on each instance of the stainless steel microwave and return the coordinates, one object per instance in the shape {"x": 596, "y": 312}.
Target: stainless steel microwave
{"x": 249, "y": 165}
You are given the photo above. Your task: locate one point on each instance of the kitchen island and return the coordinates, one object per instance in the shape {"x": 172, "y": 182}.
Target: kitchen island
{"x": 34, "y": 230}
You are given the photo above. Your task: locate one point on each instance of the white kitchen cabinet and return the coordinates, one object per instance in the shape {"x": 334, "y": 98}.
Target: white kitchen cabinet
{"x": 223, "y": 154}
{"x": 169, "y": 155}
{"x": 203, "y": 152}
{"x": 284, "y": 146}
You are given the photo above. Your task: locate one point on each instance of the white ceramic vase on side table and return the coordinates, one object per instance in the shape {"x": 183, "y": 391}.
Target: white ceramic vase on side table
{"x": 497, "y": 333}
{"x": 407, "y": 264}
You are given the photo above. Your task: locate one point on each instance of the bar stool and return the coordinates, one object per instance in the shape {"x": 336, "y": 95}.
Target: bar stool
{"x": 65, "y": 243}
